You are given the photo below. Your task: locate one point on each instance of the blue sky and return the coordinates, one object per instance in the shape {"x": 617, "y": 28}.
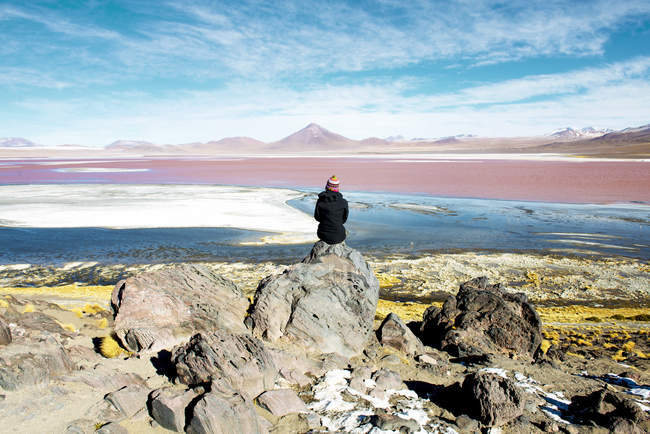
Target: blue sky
{"x": 91, "y": 72}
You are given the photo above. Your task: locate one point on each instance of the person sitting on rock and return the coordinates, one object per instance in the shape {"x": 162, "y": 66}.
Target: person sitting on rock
{"x": 331, "y": 212}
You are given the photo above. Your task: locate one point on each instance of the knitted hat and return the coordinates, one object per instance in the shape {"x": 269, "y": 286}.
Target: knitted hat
{"x": 332, "y": 184}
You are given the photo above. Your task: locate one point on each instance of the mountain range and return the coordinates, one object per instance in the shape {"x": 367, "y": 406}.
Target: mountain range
{"x": 315, "y": 139}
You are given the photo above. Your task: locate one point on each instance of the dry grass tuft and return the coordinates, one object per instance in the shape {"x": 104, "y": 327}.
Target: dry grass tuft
{"x": 110, "y": 348}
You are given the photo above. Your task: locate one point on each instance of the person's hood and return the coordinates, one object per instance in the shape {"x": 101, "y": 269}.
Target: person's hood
{"x": 330, "y": 196}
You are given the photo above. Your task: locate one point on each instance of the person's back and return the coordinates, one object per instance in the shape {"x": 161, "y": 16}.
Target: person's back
{"x": 331, "y": 212}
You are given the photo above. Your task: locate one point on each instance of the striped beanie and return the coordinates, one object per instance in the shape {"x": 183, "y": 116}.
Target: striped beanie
{"x": 332, "y": 184}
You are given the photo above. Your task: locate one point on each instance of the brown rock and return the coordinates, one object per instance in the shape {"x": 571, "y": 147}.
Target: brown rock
{"x": 153, "y": 310}
{"x": 483, "y": 318}
{"x": 394, "y": 333}
{"x": 240, "y": 360}
{"x": 492, "y": 399}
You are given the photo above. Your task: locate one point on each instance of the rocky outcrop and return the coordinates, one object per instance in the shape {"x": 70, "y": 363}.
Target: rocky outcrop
{"x": 326, "y": 303}
{"x": 483, "y": 318}
{"x": 241, "y": 361}
{"x": 157, "y": 309}
{"x": 492, "y": 399}
{"x": 394, "y": 333}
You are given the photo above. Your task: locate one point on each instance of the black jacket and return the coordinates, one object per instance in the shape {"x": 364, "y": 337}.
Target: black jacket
{"x": 331, "y": 212}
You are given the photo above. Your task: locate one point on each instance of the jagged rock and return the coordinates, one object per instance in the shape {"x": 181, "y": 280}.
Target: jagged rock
{"x": 157, "y": 309}
{"x": 607, "y": 409}
{"x": 492, "y": 399}
{"x": 326, "y": 303}
{"x": 33, "y": 362}
{"x": 129, "y": 399}
{"x": 220, "y": 412}
{"x": 483, "y": 318}
{"x": 394, "y": 333}
{"x": 167, "y": 407}
{"x": 282, "y": 401}
{"x": 240, "y": 360}
{"x": 5, "y": 333}
{"x": 358, "y": 378}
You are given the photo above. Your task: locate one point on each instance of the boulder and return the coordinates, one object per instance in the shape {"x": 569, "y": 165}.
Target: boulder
{"x": 167, "y": 407}
{"x": 240, "y": 360}
{"x": 326, "y": 303}
{"x": 394, "y": 333}
{"x": 33, "y": 362}
{"x": 492, "y": 399}
{"x": 281, "y": 402}
{"x": 157, "y": 309}
{"x": 607, "y": 409}
{"x": 483, "y": 318}
{"x": 221, "y": 412}
{"x": 388, "y": 380}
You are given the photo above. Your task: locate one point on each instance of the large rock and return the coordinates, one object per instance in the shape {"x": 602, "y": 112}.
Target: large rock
{"x": 326, "y": 303}
{"x": 481, "y": 319}
{"x": 158, "y": 309}
{"x": 220, "y": 412}
{"x": 491, "y": 398}
{"x": 167, "y": 407}
{"x": 394, "y": 333}
{"x": 281, "y": 402}
{"x": 129, "y": 399}
{"x": 241, "y": 361}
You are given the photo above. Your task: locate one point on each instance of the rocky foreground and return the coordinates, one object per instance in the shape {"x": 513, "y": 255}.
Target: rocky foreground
{"x": 184, "y": 349}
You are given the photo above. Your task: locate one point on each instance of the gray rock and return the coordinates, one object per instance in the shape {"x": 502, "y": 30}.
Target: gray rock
{"x": 606, "y": 408}
{"x": 282, "y": 401}
{"x": 30, "y": 363}
{"x": 154, "y": 310}
{"x": 129, "y": 399}
{"x": 394, "y": 333}
{"x": 5, "y": 332}
{"x": 427, "y": 359}
{"x": 240, "y": 360}
{"x": 387, "y": 379}
{"x": 358, "y": 377}
{"x": 219, "y": 412}
{"x": 326, "y": 303}
{"x": 492, "y": 399}
{"x": 391, "y": 359}
{"x": 294, "y": 376}
{"x": 167, "y": 407}
{"x": 481, "y": 319}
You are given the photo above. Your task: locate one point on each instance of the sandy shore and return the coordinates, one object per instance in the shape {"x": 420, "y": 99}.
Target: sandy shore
{"x": 560, "y": 179}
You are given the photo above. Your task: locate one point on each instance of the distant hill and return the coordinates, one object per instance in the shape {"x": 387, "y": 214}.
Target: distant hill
{"x": 16, "y": 142}
{"x": 583, "y": 133}
{"x": 313, "y": 137}
{"x": 630, "y": 142}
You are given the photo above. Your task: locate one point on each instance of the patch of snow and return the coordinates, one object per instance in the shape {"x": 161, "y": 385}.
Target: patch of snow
{"x": 500, "y": 372}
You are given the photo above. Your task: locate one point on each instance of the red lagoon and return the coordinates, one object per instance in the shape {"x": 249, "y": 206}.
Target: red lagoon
{"x": 571, "y": 181}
